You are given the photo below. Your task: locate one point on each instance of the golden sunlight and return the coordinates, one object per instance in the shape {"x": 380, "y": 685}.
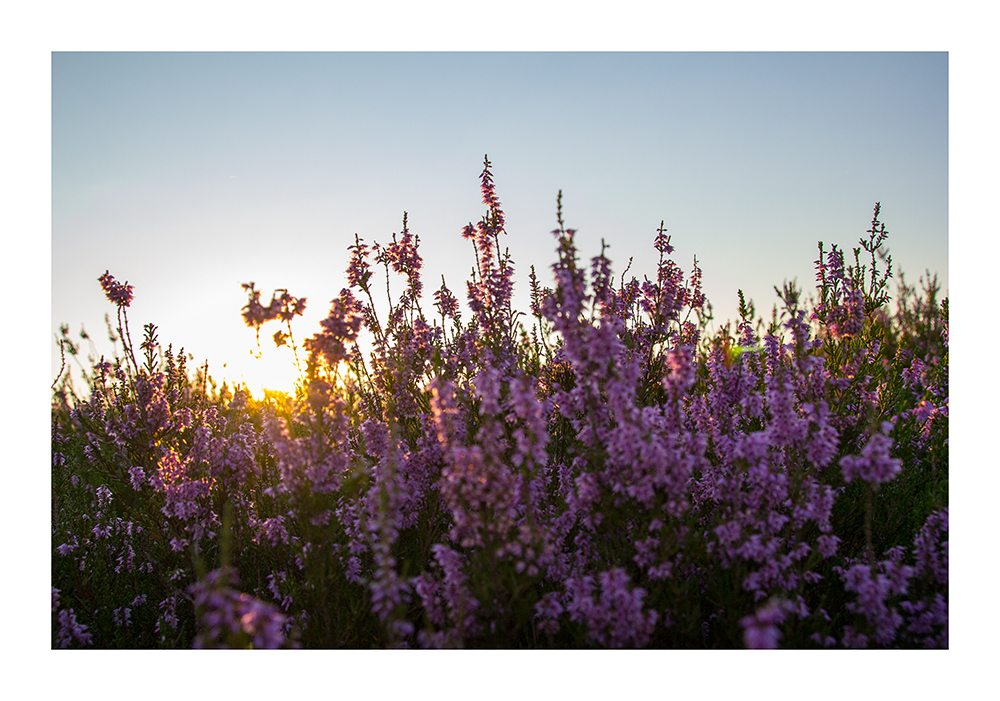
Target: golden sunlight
{"x": 273, "y": 370}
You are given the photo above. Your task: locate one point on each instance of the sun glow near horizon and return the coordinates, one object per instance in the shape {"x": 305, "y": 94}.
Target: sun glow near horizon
{"x": 269, "y": 368}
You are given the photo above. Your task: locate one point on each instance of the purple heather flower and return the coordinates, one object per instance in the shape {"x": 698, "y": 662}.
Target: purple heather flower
{"x": 226, "y": 615}
{"x": 928, "y": 623}
{"x": 662, "y": 241}
{"x": 758, "y": 637}
{"x": 547, "y": 610}
{"x": 274, "y": 530}
{"x": 104, "y": 367}
{"x": 874, "y": 464}
{"x": 446, "y": 302}
{"x": 426, "y": 588}
{"x": 136, "y": 476}
{"x": 930, "y": 547}
{"x": 873, "y": 587}
{"x": 461, "y": 603}
{"x": 70, "y": 629}
{"x": 340, "y": 327}
{"x": 289, "y": 306}
{"x": 827, "y": 545}
{"x": 116, "y": 292}
{"x": 616, "y": 618}
{"x": 358, "y": 271}
{"x": 760, "y": 631}
{"x": 283, "y": 306}
{"x": 122, "y": 616}
{"x": 404, "y": 257}
{"x": 490, "y": 196}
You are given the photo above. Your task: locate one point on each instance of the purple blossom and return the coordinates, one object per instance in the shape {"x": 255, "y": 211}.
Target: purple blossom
{"x": 136, "y": 477}
{"x": 828, "y": 545}
{"x": 547, "y": 611}
{"x": 874, "y": 464}
{"x": 358, "y": 271}
{"x": 122, "y": 616}
{"x": 926, "y": 616}
{"x": 389, "y": 591}
{"x": 931, "y": 550}
{"x": 760, "y": 631}
{"x": 226, "y": 617}
{"x": 116, "y": 292}
{"x": 168, "y": 617}
{"x": 446, "y": 302}
{"x": 404, "y": 258}
{"x": 70, "y": 629}
{"x": 449, "y": 597}
{"x": 616, "y": 617}
{"x": 874, "y": 587}
{"x": 662, "y": 241}
{"x": 339, "y": 328}
{"x": 273, "y": 529}
{"x": 254, "y": 313}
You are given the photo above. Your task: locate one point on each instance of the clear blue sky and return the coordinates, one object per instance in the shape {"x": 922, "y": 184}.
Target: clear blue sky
{"x": 188, "y": 174}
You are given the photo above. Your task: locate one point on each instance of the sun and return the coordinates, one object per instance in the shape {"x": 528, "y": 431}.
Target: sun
{"x": 274, "y": 369}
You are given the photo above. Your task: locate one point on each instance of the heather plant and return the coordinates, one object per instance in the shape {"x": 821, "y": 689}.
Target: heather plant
{"x": 144, "y": 467}
{"x": 601, "y": 471}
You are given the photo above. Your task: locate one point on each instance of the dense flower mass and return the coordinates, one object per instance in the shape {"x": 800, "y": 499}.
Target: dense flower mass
{"x": 605, "y": 471}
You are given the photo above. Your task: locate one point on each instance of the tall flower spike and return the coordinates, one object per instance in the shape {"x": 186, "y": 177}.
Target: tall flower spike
{"x": 358, "y": 272}
{"x": 490, "y": 197}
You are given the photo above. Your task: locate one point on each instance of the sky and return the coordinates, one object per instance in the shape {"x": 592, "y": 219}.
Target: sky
{"x": 187, "y": 174}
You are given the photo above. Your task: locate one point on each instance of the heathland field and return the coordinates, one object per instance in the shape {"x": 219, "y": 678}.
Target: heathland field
{"x": 599, "y": 470}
